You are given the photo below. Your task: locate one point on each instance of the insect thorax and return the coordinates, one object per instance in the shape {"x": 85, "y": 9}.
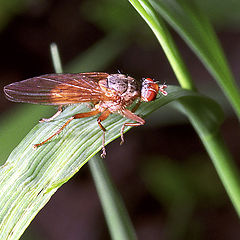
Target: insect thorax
{"x": 127, "y": 87}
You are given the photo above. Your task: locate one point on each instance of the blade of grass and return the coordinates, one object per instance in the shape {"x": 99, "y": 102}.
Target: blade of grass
{"x": 164, "y": 37}
{"x": 199, "y": 117}
{"x": 166, "y": 41}
{"x": 116, "y": 215}
{"x": 202, "y": 120}
{"x": 30, "y": 177}
{"x": 192, "y": 24}
{"x": 56, "y": 58}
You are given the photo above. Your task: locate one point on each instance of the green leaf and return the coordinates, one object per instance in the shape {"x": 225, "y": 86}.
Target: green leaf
{"x": 192, "y": 24}
{"x": 30, "y": 177}
{"x": 202, "y": 119}
{"x": 194, "y": 27}
{"x": 116, "y": 215}
{"x": 161, "y": 32}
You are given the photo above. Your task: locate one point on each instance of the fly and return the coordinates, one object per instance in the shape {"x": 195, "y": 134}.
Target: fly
{"x": 110, "y": 93}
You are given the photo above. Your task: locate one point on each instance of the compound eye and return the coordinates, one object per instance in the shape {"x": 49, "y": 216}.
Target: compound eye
{"x": 149, "y": 90}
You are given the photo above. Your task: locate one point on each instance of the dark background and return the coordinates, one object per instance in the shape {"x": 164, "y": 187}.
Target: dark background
{"x": 167, "y": 180}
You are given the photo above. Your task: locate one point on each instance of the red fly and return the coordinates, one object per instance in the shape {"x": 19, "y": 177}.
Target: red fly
{"x": 109, "y": 93}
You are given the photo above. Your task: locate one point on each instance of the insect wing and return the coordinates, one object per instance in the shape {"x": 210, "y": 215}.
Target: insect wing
{"x": 57, "y": 89}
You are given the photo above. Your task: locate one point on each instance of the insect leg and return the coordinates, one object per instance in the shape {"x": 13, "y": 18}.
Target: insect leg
{"x": 128, "y": 114}
{"x": 86, "y": 114}
{"x": 102, "y": 117}
{"x": 79, "y": 115}
{"x": 54, "y": 116}
{"x": 56, "y": 133}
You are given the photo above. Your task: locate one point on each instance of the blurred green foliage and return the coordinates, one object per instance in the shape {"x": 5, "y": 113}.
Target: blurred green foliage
{"x": 223, "y": 14}
{"x": 182, "y": 187}
{"x": 9, "y": 9}
{"x": 110, "y": 15}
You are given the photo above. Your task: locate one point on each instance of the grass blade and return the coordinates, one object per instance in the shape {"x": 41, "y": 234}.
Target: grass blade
{"x": 30, "y": 177}
{"x": 116, "y": 215}
{"x": 203, "y": 122}
{"x": 189, "y": 21}
{"x": 160, "y": 30}
{"x": 192, "y": 24}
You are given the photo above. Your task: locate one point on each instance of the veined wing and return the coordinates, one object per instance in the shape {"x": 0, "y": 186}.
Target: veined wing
{"x": 58, "y": 89}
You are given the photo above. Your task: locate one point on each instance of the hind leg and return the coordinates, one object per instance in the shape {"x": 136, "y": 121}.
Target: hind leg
{"x": 79, "y": 115}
